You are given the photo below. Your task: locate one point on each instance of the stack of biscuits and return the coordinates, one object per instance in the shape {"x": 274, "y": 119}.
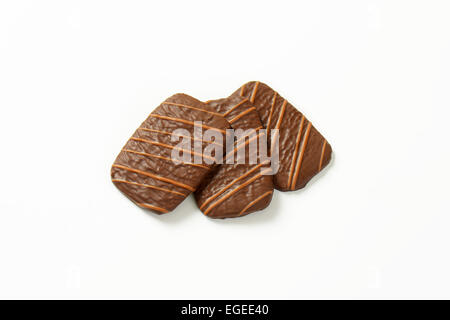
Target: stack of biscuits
{"x": 231, "y": 153}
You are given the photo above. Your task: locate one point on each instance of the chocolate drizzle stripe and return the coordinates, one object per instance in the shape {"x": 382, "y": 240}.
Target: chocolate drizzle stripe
{"x": 246, "y": 183}
{"x": 271, "y": 111}
{"x": 243, "y": 113}
{"x": 235, "y": 106}
{"x": 255, "y": 88}
{"x": 191, "y": 107}
{"x": 146, "y": 205}
{"x": 280, "y": 119}
{"x": 300, "y": 157}
{"x": 255, "y": 201}
{"x": 171, "y": 133}
{"x": 231, "y": 153}
{"x": 232, "y": 183}
{"x": 184, "y": 121}
{"x": 243, "y": 138}
{"x": 154, "y": 176}
{"x": 164, "y": 158}
{"x": 322, "y": 154}
{"x": 294, "y": 156}
{"x": 242, "y": 90}
{"x": 171, "y": 147}
{"x": 149, "y": 186}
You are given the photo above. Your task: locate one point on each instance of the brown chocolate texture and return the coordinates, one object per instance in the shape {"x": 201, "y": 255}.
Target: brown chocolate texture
{"x": 235, "y": 190}
{"x": 303, "y": 151}
{"x": 144, "y": 170}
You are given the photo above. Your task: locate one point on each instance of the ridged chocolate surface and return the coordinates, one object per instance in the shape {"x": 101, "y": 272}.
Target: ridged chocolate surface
{"x": 144, "y": 170}
{"x": 235, "y": 190}
{"x": 303, "y": 151}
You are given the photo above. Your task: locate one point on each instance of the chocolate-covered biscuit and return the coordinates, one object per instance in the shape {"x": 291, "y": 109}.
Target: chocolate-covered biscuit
{"x": 237, "y": 189}
{"x": 303, "y": 151}
{"x": 145, "y": 170}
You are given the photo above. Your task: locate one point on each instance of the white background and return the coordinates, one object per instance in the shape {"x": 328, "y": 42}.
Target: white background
{"x": 77, "y": 78}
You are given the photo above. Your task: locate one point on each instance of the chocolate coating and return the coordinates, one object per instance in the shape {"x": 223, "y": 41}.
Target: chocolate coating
{"x": 235, "y": 190}
{"x": 144, "y": 170}
{"x": 303, "y": 151}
